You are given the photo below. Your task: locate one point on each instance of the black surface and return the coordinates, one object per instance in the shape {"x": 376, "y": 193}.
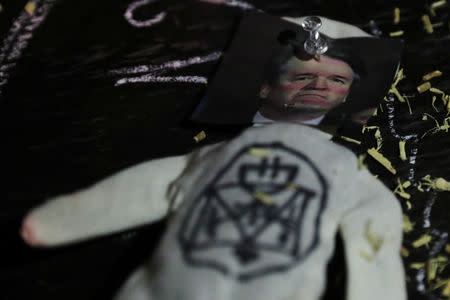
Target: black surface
{"x": 66, "y": 126}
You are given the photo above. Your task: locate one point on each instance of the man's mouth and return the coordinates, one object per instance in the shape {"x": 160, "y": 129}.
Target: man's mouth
{"x": 312, "y": 99}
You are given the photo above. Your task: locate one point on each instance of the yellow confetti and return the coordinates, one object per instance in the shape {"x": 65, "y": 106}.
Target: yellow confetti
{"x": 431, "y": 75}
{"x": 427, "y": 24}
{"x": 404, "y": 252}
{"x": 396, "y": 15}
{"x": 348, "y": 139}
{"x": 30, "y": 7}
{"x": 361, "y": 164}
{"x": 382, "y": 160}
{"x": 396, "y": 33}
{"x": 200, "y": 137}
{"x": 416, "y": 266}
{"x": 263, "y": 197}
{"x": 424, "y": 118}
{"x": 259, "y": 152}
{"x": 401, "y": 146}
{"x": 425, "y": 239}
{"x": 406, "y": 184}
{"x": 424, "y": 87}
{"x": 407, "y": 225}
{"x": 375, "y": 112}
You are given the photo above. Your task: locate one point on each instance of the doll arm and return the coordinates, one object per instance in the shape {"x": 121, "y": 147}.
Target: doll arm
{"x": 372, "y": 234}
{"x": 132, "y": 197}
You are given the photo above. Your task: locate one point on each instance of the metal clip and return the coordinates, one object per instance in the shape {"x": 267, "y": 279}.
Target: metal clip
{"x": 315, "y": 45}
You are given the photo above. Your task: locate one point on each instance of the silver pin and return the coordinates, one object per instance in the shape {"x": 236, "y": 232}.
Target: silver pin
{"x": 315, "y": 44}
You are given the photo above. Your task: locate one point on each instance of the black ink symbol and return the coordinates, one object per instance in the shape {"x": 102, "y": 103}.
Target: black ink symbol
{"x": 258, "y": 215}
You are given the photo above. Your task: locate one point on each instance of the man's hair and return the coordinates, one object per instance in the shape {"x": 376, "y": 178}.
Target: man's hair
{"x": 291, "y": 47}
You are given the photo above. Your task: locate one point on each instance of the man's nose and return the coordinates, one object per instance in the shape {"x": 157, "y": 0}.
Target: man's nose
{"x": 318, "y": 83}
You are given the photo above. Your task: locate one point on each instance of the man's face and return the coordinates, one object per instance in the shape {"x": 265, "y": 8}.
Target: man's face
{"x": 310, "y": 86}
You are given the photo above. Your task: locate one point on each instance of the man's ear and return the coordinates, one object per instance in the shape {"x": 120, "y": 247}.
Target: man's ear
{"x": 264, "y": 91}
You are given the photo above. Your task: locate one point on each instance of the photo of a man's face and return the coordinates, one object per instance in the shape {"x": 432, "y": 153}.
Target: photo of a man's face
{"x": 267, "y": 75}
{"x": 305, "y": 89}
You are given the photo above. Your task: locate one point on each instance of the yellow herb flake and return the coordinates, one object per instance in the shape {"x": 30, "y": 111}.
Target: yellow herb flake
{"x": 404, "y": 252}
{"x": 401, "y": 146}
{"x": 439, "y": 184}
{"x": 293, "y": 187}
{"x": 361, "y": 164}
{"x": 374, "y": 240}
{"x": 444, "y": 127}
{"x": 417, "y": 266}
{"x": 259, "y": 152}
{"x": 396, "y": 33}
{"x": 407, "y": 225}
{"x": 433, "y": 100}
{"x": 442, "y": 184}
{"x": 350, "y": 140}
{"x": 263, "y": 197}
{"x": 444, "y": 98}
{"x": 30, "y": 7}
{"x": 424, "y": 240}
{"x": 427, "y": 24}
{"x": 200, "y": 136}
{"x": 431, "y": 75}
{"x": 408, "y": 205}
{"x": 434, "y": 266}
{"x": 424, "y": 87}
{"x": 440, "y": 283}
{"x": 438, "y": 4}
{"x": 379, "y": 139}
{"x": 396, "y": 15}
{"x": 446, "y": 290}
{"x": 400, "y": 76}
{"x": 400, "y": 190}
{"x": 366, "y": 255}
{"x": 382, "y": 160}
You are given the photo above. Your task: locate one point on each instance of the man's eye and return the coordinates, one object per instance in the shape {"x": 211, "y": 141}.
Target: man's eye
{"x": 338, "y": 80}
{"x": 302, "y": 78}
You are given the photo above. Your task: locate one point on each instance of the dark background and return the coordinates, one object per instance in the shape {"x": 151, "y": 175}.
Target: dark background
{"x": 66, "y": 125}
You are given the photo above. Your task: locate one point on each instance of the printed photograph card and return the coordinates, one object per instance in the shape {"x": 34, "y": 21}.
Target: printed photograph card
{"x": 267, "y": 76}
